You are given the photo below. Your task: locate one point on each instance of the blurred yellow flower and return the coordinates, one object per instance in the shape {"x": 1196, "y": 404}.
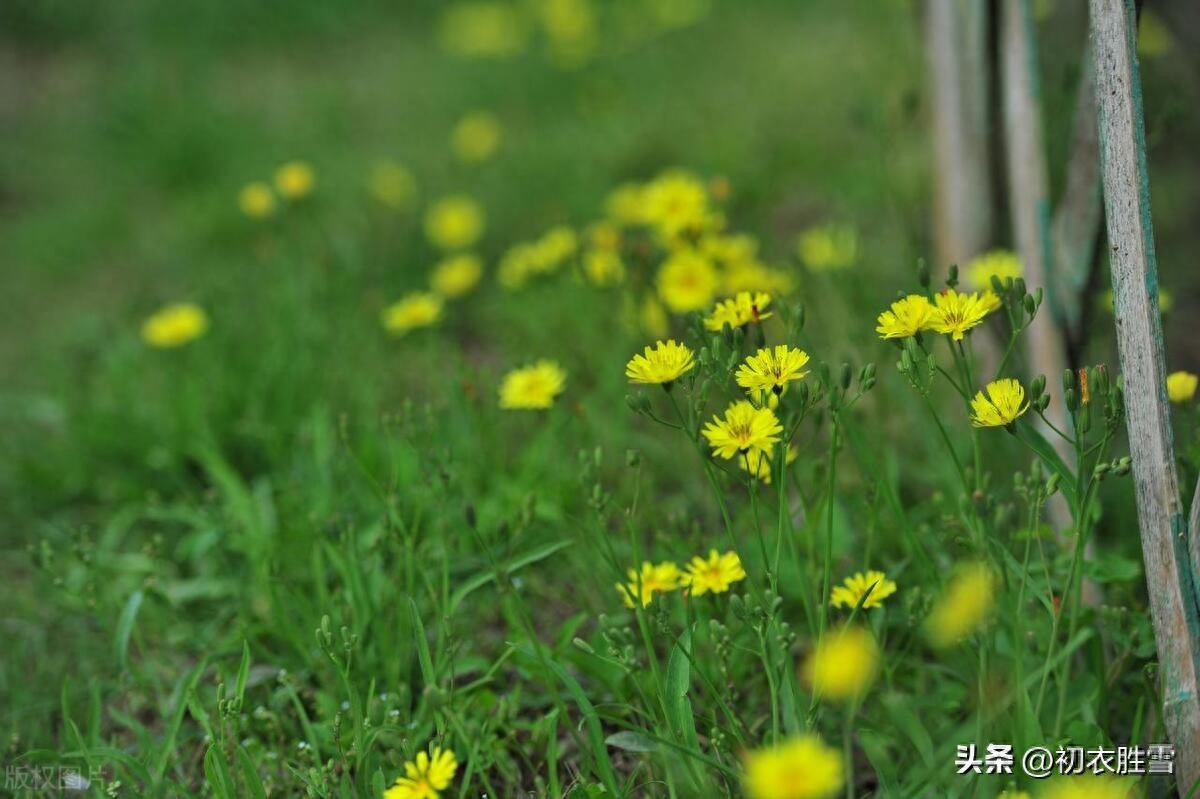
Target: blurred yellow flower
{"x": 295, "y": 180}
{"x": 1002, "y": 264}
{"x": 687, "y": 282}
{"x": 1004, "y": 403}
{"x": 955, "y": 314}
{"x": 1088, "y": 786}
{"x": 454, "y": 223}
{"x": 771, "y": 368}
{"x": 554, "y": 247}
{"x": 603, "y": 268}
{"x": 532, "y": 387}
{"x": 675, "y": 203}
{"x": 256, "y": 200}
{"x": 175, "y": 325}
{"x": 1153, "y": 35}
{"x": 624, "y": 204}
{"x": 754, "y": 276}
{"x": 392, "y": 184}
{"x": 652, "y": 317}
{"x": 476, "y": 137}
{"x": 802, "y": 767}
{"x": 425, "y": 777}
{"x": 663, "y": 363}
{"x": 743, "y": 430}
{"x": 1181, "y": 386}
{"x": 651, "y": 580}
{"x": 963, "y": 607}
{"x": 906, "y": 317}
{"x": 416, "y": 310}
{"x": 456, "y": 276}
{"x": 843, "y": 664}
{"x": 828, "y": 247}
{"x": 739, "y": 310}
{"x": 874, "y": 585}
{"x": 714, "y": 574}
{"x": 730, "y": 249}
{"x": 483, "y": 29}
{"x": 570, "y": 27}
{"x": 604, "y": 236}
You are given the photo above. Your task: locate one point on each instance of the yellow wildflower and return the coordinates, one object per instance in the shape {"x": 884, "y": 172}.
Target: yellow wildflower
{"x": 675, "y": 203}
{"x": 843, "y": 664}
{"x": 624, "y": 204}
{"x": 771, "y": 368}
{"x": 532, "y": 387}
{"x": 1181, "y": 386}
{"x": 483, "y": 29}
{"x": 907, "y": 317}
{"x": 476, "y": 137}
{"x": 454, "y": 223}
{"x": 954, "y": 314}
{"x": 802, "y": 767}
{"x": 715, "y": 573}
{"x": 687, "y": 282}
{"x": 857, "y": 586}
{"x": 175, "y": 325}
{"x": 603, "y": 267}
{"x": 651, "y": 580}
{"x": 256, "y": 200}
{"x": 392, "y": 184}
{"x": 1004, "y": 403}
{"x": 456, "y": 275}
{"x": 739, "y": 311}
{"x": 744, "y": 430}
{"x": 1002, "y": 264}
{"x": 425, "y": 777}
{"x": 295, "y": 180}
{"x": 416, "y": 310}
{"x": 665, "y": 363}
{"x": 828, "y": 248}
{"x": 963, "y": 606}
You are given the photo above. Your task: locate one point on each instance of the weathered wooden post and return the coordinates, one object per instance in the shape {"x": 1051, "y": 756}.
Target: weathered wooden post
{"x": 1170, "y": 573}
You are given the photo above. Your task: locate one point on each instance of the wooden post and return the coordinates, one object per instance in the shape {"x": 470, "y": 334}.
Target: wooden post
{"x": 1169, "y": 567}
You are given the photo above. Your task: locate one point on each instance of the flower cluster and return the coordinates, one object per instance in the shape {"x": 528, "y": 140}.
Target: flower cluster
{"x": 713, "y": 574}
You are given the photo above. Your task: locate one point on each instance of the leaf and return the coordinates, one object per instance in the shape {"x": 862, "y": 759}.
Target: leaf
{"x": 679, "y": 681}
{"x": 418, "y": 631}
{"x": 521, "y": 561}
{"x": 125, "y": 628}
{"x": 631, "y": 741}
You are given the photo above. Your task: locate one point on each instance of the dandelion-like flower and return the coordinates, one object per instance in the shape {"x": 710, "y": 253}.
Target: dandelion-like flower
{"x": 624, "y": 205}
{"x": 1002, "y": 264}
{"x": 687, "y": 282}
{"x": 1004, "y": 403}
{"x": 476, "y": 137}
{"x": 454, "y": 223}
{"x": 392, "y": 184}
{"x": 714, "y": 574}
{"x": 852, "y": 591}
{"x": 954, "y": 314}
{"x": 739, "y": 310}
{"x": 650, "y": 580}
{"x": 674, "y": 203}
{"x": 665, "y": 363}
{"x": 803, "y": 767}
{"x": 771, "y": 368}
{"x": 907, "y": 317}
{"x": 175, "y": 325}
{"x": 256, "y": 200}
{"x": 416, "y": 310}
{"x": 744, "y": 430}
{"x": 532, "y": 387}
{"x": 828, "y": 248}
{"x": 295, "y": 180}
{"x": 843, "y": 664}
{"x": 1181, "y": 387}
{"x": 963, "y": 607}
{"x": 456, "y": 276}
{"x": 425, "y": 777}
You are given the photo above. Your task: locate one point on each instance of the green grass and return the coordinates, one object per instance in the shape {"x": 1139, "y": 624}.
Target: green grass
{"x": 287, "y": 557}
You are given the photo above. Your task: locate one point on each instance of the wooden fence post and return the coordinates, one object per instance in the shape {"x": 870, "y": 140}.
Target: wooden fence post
{"x": 1165, "y": 547}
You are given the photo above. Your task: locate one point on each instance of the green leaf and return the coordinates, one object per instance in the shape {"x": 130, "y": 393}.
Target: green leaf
{"x": 631, "y": 741}
{"x": 679, "y": 681}
{"x": 521, "y": 561}
{"x": 125, "y": 628}
{"x": 418, "y": 631}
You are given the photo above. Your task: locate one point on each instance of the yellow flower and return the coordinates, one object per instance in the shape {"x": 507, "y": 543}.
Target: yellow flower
{"x": 476, "y": 137}
{"x": 687, "y": 282}
{"x": 175, "y": 325}
{"x": 1087, "y": 786}
{"x": 771, "y": 369}
{"x": 425, "y": 777}
{"x": 907, "y": 317}
{"x": 843, "y": 664}
{"x": 554, "y": 247}
{"x": 828, "y": 248}
{"x": 739, "y": 310}
{"x": 954, "y": 313}
{"x": 485, "y": 29}
{"x": 256, "y": 200}
{"x": 532, "y": 387}
{"x": 963, "y": 607}
{"x": 603, "y": 267}
{"x": 624, "y": 204}
{"x": 803, "y": 767}
{"x": 675, "y": 203}
{"x": 1181, "y": 386}
{"x": 665, "y": 363}
{"x": 715, "y": 573}
{"x": 753, "y": 276}
{"x": 1005, "y": 401}
{"x": 456, "y": 275}
{"x": 852, "y": 591}
{"x": 652, "y": 580}
{"x": 570, "y": 28}
{"x": 744, "y": 429}
{"x": 295, "y": 180}
{"x": 454, "y": 223}
{"x": 604, "y": 236}
{"x": 419, "y": 309}
{"x": 392, "y": 184}
{"x": 998, "y": 263}
{"x": 758, "y": 463}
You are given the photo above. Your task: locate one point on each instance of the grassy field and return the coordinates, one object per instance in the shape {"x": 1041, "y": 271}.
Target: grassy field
{"x": 290, "y": 554}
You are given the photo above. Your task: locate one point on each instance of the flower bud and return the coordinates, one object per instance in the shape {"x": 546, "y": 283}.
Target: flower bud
{"x": 924, "y": 276}
{"x": 952, "y": 276}
{"x": 846, "y": 376}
